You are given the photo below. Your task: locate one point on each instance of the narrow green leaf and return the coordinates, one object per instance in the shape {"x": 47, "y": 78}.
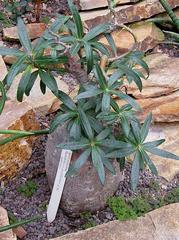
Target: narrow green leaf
{"x": 89, "y": 57}
{"x": 108, "y": 165}
{"x": 75, "y": 130}
{"x": 95, "y": 124}
{"x": 10, "y": 51}
{"x": 114, "y": 77}
{"x": 31, "y": 82}
{"x": 85, "y": 123}
{"x": 136, "y": 131}
{"x": 44, "y": 60}
{"x": 54, "y": 27}
{"x": 162, "y": 153}
{"x": 74, "y": 145}
{"x": 128, "y": 99}
{"x": 59, "y": 119}
{"x": 145, "y": 127}
{"x": 77, "y": 19}
{"x": 123, "y": 152}
{"x": 23, "y": 83}
{"x": 149, "y": 163}
{"x": 100, "y": 47}
{"x": 106, "y": 102}
{"x": 153, "y": 143}
{"x": 81, "y": 160}
{"x": 23, "y": 36}
{"x": 112, "y": 143}
{"x": 98, "y": 164}
{"x": 96, "y": 31}
{"x": 49, "y": 81}
{"x": 103, "y": 134}
{"x": 75, "y": 48}
{"x": 90, "y": 93}
{"x": 125, "y": 125}
{"x": 15, "y": 69}
{"x": 135, "y": 171}
{"x": 111, "y": 42}
{"x": 100, "y": 77}
{"x": 17, "y": 224}
{"x": 2, "y": 97}
{"x": 142, "y": 63}
{"x": 66, "y": 100}
{"x": 42, "y": 87}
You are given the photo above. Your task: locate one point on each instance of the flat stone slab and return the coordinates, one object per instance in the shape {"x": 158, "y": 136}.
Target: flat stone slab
{"x": 34, "y": 30}
{"x": 127, "y": 14}
{"x": 161, "y": 224}
{"x": 163, "y": 79}
{"x": 93, "y": 4}
{"x": 148, "y": 35}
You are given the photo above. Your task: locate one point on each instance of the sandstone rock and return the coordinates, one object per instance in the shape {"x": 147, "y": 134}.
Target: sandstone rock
{"x": 34, "y": 30}
{"x": 164, "y": 109}
{"x": 127, "y": 14}
{"x": 161, "y": 224}
{"x": 15, "y": 155}
{"x": 83, "y": 191}
{"x": 7, "y": 235}
{"x": 163, "y": 79}
{"x": 147, "y": 35}
{"x": 88, "y": 4}
{"x": 36, "y": 99}
{"x": 3, "y": 69}
{"x": 167, "y": 168}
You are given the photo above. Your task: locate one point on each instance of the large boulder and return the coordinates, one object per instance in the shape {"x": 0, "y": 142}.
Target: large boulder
{"x": 16, "y": 155}
{"x": 163, "y": 109}
{"x": 7, "y": 235}
{"x": 161, "y": 224}
{"x": 83, "y": 191}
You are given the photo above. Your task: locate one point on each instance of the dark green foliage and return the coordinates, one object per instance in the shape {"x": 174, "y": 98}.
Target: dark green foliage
{"x": 121, "y": 209}
{"x": 17, "y": 8}
{"x": 28, "y": 189}
{"x": 140, "y": 205}
{"x": 172, "y": 196}
{"x": 4, "y": 21}
{"x": 87, "y": 220}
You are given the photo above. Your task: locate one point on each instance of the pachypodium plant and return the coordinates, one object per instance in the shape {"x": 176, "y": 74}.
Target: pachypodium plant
{"x": 99, "y": 128}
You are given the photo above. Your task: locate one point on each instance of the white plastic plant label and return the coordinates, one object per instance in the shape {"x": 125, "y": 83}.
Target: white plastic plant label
{"x": 58, "y": 184}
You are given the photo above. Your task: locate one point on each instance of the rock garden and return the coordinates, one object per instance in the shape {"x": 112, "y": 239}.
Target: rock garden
{"x": 89, "y": 120}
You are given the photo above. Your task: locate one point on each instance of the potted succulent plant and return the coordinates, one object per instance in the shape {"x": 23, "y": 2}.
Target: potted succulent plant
{"x": 100, "y": 132}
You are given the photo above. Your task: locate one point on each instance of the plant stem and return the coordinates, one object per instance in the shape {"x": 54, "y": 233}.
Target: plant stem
{"x": 170, "y": 12}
